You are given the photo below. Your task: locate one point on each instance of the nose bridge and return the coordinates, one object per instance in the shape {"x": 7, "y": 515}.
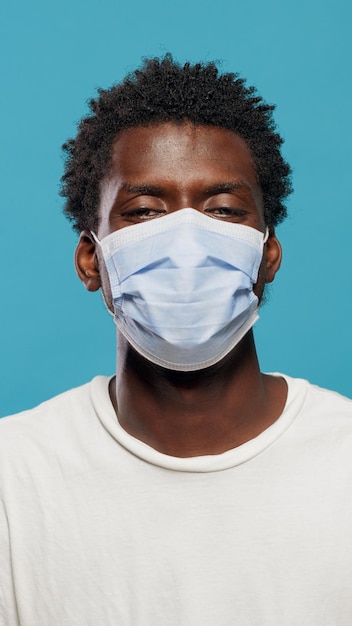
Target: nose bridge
{"x": 187, "y": 199}
{"x": 186, "y": 193}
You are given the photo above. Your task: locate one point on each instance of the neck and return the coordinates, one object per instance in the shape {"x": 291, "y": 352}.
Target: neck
{"x": 196, "y": 413}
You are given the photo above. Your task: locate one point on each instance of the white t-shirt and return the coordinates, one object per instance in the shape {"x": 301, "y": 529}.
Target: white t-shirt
{"x": 99, "y": 529}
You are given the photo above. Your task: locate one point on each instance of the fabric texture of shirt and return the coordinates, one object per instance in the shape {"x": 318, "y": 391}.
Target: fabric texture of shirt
{"x": 99, "y": 529}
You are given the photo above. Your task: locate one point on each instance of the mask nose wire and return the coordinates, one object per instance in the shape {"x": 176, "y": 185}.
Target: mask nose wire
{"x": 266, "y": 236}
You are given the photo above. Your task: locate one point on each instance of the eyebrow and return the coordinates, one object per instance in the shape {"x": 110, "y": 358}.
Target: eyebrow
{"x": 142, "y": 190}
{"x": 218, "y": 188}
{"x": 227, "y": 187}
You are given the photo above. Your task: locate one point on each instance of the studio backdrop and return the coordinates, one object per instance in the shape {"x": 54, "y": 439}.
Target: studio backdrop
{"x": 54, "y": 334}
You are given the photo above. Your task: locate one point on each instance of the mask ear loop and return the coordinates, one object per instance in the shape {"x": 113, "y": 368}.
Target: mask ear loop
{"x": 266, "y": 235}
{"x": 112, "y": 313}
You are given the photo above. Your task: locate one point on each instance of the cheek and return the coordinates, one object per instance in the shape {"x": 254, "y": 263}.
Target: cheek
{"x": 105, "y": 285}
{"x": 106, "y": 291}
{"x": 260, "y": 284}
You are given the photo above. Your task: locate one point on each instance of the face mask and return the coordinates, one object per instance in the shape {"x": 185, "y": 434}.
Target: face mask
{"x": 182, "y": 286}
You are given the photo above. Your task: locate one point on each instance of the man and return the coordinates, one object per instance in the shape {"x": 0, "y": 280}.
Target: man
{"x": 190, "y": 488}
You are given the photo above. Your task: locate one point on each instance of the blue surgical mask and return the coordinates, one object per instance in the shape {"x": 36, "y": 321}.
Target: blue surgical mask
{"x": 182, "y": 286}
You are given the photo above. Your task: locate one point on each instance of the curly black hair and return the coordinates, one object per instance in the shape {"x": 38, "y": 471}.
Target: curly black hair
{"x": 162, "y": 91}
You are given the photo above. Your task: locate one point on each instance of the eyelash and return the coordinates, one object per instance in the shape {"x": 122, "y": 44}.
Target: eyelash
{"x": 142, "y": 210}
{"x": 228, "y": 211}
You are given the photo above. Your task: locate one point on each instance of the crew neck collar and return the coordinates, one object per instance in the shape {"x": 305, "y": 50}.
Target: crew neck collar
{"x": 297, "y": 390}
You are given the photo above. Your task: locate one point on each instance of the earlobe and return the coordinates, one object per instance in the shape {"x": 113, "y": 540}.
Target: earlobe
{"x": 86, "y": 262}
{"x": 273, "y": 256}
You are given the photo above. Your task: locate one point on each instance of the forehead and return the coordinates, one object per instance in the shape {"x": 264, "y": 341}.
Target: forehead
{"x": 144, "y": 150}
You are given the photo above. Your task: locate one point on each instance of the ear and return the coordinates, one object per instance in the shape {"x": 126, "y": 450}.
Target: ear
{"x": 273, "y": 256}
{"x": 86, "y": 261}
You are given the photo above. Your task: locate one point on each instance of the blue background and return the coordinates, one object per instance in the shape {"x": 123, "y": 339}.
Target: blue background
{"x": 54, "y": 334}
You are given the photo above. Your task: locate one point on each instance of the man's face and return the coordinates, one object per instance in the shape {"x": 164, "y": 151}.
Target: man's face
{"x": 166, "y": 167}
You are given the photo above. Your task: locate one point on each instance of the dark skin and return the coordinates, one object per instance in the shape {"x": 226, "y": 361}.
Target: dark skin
{"x": 156, "y": 170}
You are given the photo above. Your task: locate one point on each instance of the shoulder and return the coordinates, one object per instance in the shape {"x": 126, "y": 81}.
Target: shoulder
{"x": 54, "y": 420}
{"x": 71, "y": 400}
{"x": 319, "y": 413}
{"x": 317, "y": 397}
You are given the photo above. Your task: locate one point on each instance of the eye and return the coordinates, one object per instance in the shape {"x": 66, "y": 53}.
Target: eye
{"x": 228, "y": 213}
{"x": 143, "y": 213}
